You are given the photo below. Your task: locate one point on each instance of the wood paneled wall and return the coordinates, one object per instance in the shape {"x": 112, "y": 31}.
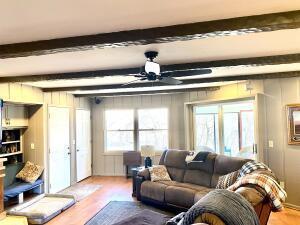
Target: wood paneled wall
{"x": 37, "y": 131}
{"x": 112, "y": 164}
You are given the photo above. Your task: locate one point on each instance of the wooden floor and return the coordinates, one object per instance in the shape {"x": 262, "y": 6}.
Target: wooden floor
{"x": 119, "y": 188}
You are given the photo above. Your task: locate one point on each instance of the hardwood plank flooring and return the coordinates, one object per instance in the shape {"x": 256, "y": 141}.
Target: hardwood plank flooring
{"x": 119, "y": 188}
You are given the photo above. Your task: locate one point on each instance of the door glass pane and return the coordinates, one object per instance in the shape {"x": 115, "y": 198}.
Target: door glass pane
{"x": 231, "y": 133}
{"x": 206, "y": 128}
{"x": 238, "y": 129}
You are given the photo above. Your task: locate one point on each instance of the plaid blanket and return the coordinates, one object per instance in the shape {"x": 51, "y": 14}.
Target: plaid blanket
{"x": 252, "y": 166}
{"x": 274, "y": 191}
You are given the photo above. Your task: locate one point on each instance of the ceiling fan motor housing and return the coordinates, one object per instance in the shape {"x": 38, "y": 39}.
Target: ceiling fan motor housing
{"x": 151, "y": 55}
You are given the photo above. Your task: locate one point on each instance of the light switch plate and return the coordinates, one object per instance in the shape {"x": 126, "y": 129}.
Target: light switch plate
{"x": 271, "y": 144}
{"x": 32, "y": 146}
{"x": 282, "y": 184}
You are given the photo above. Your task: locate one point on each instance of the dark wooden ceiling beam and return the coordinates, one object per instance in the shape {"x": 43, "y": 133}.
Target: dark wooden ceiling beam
{"x": 184, "y": 32}
{"x": 150, "y": 92}
{"x": 255, "y": 61}
{"x": 185, "y": 82}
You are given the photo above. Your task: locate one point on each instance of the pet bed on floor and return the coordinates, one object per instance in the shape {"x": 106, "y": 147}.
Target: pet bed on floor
{"x": 43, "y": 208}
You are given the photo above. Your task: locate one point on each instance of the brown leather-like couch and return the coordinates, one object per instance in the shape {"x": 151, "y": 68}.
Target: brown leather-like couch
{"x": 190, "y": 182}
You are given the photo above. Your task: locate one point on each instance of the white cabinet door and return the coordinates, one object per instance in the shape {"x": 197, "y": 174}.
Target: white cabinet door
{"x": 17, "y": 115}
{"x": 59, "y": 149}
{"x": 83, "y": 144}
{"x": 14, "y": 116}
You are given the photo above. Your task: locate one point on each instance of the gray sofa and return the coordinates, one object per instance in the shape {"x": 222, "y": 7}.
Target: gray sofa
{"x": 190, "y": 182}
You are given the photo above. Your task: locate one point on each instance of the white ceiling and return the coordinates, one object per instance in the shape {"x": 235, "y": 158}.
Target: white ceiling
{"x": 250, "y": 45}
{"x": 32, "y": 20}
{"x": 36, "y": 20}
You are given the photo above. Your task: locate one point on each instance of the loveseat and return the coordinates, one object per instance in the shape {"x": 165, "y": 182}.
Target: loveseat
{"x": 191, "y": 181}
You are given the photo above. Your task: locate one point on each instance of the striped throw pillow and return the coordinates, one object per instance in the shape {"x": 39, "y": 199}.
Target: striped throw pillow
{"x": 227, "y": 180}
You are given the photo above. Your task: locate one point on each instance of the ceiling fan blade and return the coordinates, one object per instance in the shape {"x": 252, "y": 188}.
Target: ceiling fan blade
{"x": 186, "y": 73}
{"x": 141, "y": 79}
{"x": 170, "y": 80}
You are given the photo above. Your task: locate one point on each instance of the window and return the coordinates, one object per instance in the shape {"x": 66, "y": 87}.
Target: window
{"x": 233, "y": 122}
{"x": 153, "y": 128}
{"x": 127, "y": 130}
{"x": 119, "y": 135}
{"x": 206, "y": 127}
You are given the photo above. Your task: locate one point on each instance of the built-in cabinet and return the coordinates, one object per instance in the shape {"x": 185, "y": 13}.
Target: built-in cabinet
{"x": 14, "y": 116}
{"x": 14, "y": 124}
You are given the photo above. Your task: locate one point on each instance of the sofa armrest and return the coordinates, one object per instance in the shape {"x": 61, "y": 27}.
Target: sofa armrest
{"x": 263, "y": 211}
{"x": 138, "y": 183}
{"x": 145, "y": 174}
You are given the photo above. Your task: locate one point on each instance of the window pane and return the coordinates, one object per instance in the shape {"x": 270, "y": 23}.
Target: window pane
{"x": 157, "y": 138}
{"x": 231, "y": 133}
{"x": 119, "y": 119}
{"x": 153, "y": 118}
{"x": 247, "y": 125}
{"x": 119, "y": 141}
{"x": 206, "y": 128}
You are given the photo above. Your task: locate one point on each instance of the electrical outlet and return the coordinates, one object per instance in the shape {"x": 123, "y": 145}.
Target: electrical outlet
{"x": 282, "y": 184}
{"x": 271, "y": 144}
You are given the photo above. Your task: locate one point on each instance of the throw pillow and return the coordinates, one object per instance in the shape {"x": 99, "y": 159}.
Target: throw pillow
{"x": 30, "y": 173}
{"x": 227, "y": 180}
{"x": 159, "y": 173}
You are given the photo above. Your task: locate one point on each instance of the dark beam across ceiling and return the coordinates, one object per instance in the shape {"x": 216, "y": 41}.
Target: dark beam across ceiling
{"x": 150, "y": 92}
{"x": 256, "y": 61}
{"x": 183, "y": 32}
{"x": 185, "y": 82}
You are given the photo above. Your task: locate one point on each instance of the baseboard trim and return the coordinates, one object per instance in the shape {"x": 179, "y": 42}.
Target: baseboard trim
{"x": 291, "y": 206}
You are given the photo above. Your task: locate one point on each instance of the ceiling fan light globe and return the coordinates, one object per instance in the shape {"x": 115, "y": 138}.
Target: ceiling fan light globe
{"x": 152, "y": 67}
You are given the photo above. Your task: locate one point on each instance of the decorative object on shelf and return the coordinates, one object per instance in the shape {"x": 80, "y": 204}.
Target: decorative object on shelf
{"x": 148, "y": 151}
{"x": 293, "y": 120}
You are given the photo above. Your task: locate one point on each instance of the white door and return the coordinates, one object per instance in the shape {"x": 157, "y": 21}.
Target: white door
{"x": 59, "y": 149}
{"x": 83, "y": 144}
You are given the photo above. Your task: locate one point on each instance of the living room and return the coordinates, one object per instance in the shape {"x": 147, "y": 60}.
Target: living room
{"x": 137, "y": 112}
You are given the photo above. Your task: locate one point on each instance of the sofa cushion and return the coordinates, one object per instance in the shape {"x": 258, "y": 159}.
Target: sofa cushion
{"x": 153, "y": 190}
{"x": 176, "y": 174}
{"x": 17, "y": 188}
{"x": 180, "y": 196}
{"x": 225, "y": 165}
{"x": 197, "y": 177}
{"x": 184, "y": 185}
{"x": 206, "y": 166}
{"x": 11, "y": 170}
{"x": 200, "y": 194}
{"x": 176, "y": 159}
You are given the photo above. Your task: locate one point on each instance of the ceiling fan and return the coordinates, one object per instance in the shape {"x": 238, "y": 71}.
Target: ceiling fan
{"x": 151, "y": 72}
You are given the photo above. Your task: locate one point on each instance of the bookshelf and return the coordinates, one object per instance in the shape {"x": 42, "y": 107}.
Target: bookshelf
{"x": 12, "y": 148}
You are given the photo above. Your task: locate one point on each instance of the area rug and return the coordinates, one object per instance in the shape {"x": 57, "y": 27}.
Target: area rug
{"x": 80, "y": 191}
{"x": 116, "y": 211}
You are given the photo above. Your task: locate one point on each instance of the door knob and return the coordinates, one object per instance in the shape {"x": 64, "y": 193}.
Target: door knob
{"x": 77, "y": 150}
{"x": 69, "y": 153}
